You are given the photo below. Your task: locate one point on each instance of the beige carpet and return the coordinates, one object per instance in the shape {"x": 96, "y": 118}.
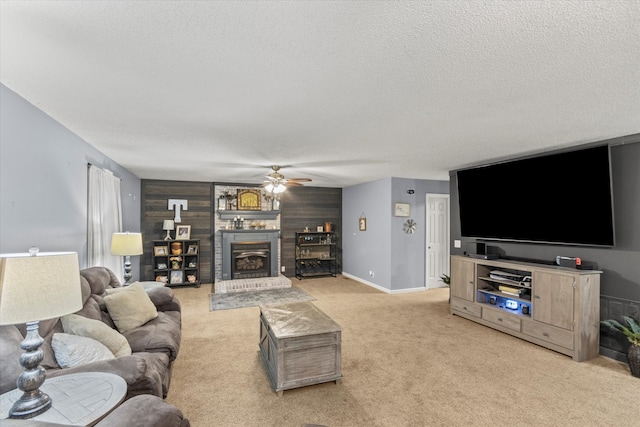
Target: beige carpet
{"x": 406, "y": 362}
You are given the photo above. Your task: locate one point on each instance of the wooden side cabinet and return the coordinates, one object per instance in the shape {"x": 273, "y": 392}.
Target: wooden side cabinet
{"x": 177, "y": 262}
{"x": 554, "y": 307}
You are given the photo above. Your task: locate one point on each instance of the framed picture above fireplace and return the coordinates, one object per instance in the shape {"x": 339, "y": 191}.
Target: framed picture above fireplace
{"x": 249, "y": 200}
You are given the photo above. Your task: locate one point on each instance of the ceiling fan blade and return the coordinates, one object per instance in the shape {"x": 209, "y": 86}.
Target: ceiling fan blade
{"x": 293, "y": 184}
{"x": 299, "y": 179}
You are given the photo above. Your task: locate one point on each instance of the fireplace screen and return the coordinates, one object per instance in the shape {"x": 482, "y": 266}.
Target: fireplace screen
{"x": 250, "y": 259}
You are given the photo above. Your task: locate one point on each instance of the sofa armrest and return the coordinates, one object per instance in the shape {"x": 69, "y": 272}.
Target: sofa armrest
{"x": 130, "y": 368}
{"x": 145, "y": 410}
{"x": 143, "y": 372}
{"x": 163, "y": 299}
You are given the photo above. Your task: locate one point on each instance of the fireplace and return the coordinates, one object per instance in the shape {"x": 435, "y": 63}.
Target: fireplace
{"x": 249, "y": 254}
{"x": 250, "y": 259}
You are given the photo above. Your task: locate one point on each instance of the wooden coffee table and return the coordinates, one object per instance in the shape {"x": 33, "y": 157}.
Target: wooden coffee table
{"x": 299, "y": 345}
{"x": 77, "y": 399}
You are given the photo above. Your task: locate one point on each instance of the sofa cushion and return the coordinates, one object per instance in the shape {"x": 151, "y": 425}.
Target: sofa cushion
{"x": 99, "y": 279}
{"x": 74, "y": 350}
{"x": 161, "y": 334}
{"x": 10, "y": 351}
{"x": 130, "y": 307}
{"x": 95, "y": 329}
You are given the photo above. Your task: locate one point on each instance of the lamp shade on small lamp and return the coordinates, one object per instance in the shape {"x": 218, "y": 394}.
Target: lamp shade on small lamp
{"x": 33, "y": 287}
{"x": 168, "y": 225}
{"x": 126, "y": 244}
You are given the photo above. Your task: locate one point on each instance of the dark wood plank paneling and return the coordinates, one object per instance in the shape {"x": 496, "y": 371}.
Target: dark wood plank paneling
{"x": 199, "y": 215}
{"x": 300, "y": 207}
{"x": 308, "y": 207}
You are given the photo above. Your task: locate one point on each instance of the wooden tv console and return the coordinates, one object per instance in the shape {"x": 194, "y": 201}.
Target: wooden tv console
{"x": 554, "y": 307}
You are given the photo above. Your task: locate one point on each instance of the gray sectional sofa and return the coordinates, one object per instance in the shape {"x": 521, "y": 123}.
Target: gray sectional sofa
{"x": 154, "y": 344}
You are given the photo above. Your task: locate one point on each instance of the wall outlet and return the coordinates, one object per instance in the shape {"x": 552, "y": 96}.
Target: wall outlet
{"x": 282, "y": 268}
{"x": 457, "y": 243}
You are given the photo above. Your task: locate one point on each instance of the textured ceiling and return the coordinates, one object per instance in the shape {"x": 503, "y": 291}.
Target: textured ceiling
{"x": 342, "y": 92}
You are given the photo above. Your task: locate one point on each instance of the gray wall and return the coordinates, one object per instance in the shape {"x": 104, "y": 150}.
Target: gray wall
{"x": 43, "y": 182}
{"x": 396, "y": 258}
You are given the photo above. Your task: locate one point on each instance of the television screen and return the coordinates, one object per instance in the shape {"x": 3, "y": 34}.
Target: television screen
{"x": 562, "y": 198}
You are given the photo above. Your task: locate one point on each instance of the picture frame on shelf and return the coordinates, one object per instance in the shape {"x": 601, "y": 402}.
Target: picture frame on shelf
{"x": 319, "y": 229}
{"x": 183, "y": 232}
{"x": 161, "y": 266}
{"x": 402, "y": 209}
{"x": 192, "y": 250}
{"x": 160, "y": 250}
{"x": 177, "y": 276}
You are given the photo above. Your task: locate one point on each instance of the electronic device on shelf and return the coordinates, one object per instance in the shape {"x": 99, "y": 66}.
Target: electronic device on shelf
{"x": 504, "y": 275}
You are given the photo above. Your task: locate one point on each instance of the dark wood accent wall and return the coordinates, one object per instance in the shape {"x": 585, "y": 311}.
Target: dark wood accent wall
{"x": 308, "y": 207}
{"x": 300, "y": 207}
{"x": 155, "y": 199}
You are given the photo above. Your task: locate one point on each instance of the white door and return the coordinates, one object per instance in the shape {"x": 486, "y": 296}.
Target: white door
{"x": 437, "y": 229}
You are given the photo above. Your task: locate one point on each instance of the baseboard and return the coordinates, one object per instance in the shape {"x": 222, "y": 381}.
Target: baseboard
{"x": 380, "y": 288}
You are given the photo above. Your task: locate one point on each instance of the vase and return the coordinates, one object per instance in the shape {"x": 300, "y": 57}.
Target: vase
{"x": 176, "y": 248}
{"x": 633, "y": 357}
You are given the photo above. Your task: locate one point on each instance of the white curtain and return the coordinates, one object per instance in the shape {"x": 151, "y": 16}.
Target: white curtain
{"x": 104, "y": 219}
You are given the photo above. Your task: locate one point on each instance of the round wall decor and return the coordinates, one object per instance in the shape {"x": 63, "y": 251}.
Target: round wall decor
{"x": 410, "y": 226}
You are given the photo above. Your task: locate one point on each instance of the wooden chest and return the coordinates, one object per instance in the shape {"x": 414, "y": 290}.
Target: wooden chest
{"x": 299, "y": 345}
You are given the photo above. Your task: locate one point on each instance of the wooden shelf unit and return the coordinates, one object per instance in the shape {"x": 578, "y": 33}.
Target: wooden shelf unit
{"x": 188, "y": 264}
{"x": 559, "y": 308}
{"x": 315, "y": 254}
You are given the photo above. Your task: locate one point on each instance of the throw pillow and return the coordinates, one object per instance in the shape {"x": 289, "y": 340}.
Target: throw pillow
{"x": 130, "y": 307}
{"x": 91, "y": 328}
{"x": 74, "y": 350}
{"x": 110, "y": 291}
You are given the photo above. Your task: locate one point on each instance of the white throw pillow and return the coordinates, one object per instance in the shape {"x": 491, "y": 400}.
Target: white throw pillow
{"x": 130, "y": 307}
{"x": 99, "y": 331}
{"x": 74, "y": 350}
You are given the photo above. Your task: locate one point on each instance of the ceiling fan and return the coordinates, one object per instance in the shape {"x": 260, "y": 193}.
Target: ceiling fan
{"x": 277, "y": 183}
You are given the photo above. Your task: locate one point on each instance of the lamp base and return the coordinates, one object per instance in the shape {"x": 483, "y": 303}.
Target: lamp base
{"x": 127, "y": 271}
{"x": 168, "y": 236}
{"x": 30, "y": 406}
{"x": 34, "y": 401}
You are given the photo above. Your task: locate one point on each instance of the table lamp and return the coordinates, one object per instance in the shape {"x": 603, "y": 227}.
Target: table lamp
{"x": 168, "y": 225}
{"x": 33, "y": 287}
{"x": 126, "y": 244}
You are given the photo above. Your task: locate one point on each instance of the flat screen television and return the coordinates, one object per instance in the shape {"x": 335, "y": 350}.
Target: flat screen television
{"x": 563, "y": 198}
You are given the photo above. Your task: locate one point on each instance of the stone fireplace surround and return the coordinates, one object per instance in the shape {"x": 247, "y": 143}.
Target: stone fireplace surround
{"x": 228, "y": 284}
{"x": 224, "y": 228}
{"x": 235, "y": 236}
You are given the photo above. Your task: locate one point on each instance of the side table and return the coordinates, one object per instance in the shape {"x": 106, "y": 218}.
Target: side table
{"x": 77, "y": 399}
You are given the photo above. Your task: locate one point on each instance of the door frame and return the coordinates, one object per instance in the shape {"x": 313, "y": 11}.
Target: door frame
{"x": 447, "y": 250}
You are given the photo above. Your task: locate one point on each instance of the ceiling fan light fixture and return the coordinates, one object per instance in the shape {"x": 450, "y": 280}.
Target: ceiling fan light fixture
{"x": 269, "y": 187}
{"x": 279, "y": 188}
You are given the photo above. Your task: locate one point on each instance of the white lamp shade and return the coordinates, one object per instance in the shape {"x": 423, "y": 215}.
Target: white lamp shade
{"x": 168, "y": 224}
{"x": 126, "y": 244}
{"x": 38, "y": 287}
